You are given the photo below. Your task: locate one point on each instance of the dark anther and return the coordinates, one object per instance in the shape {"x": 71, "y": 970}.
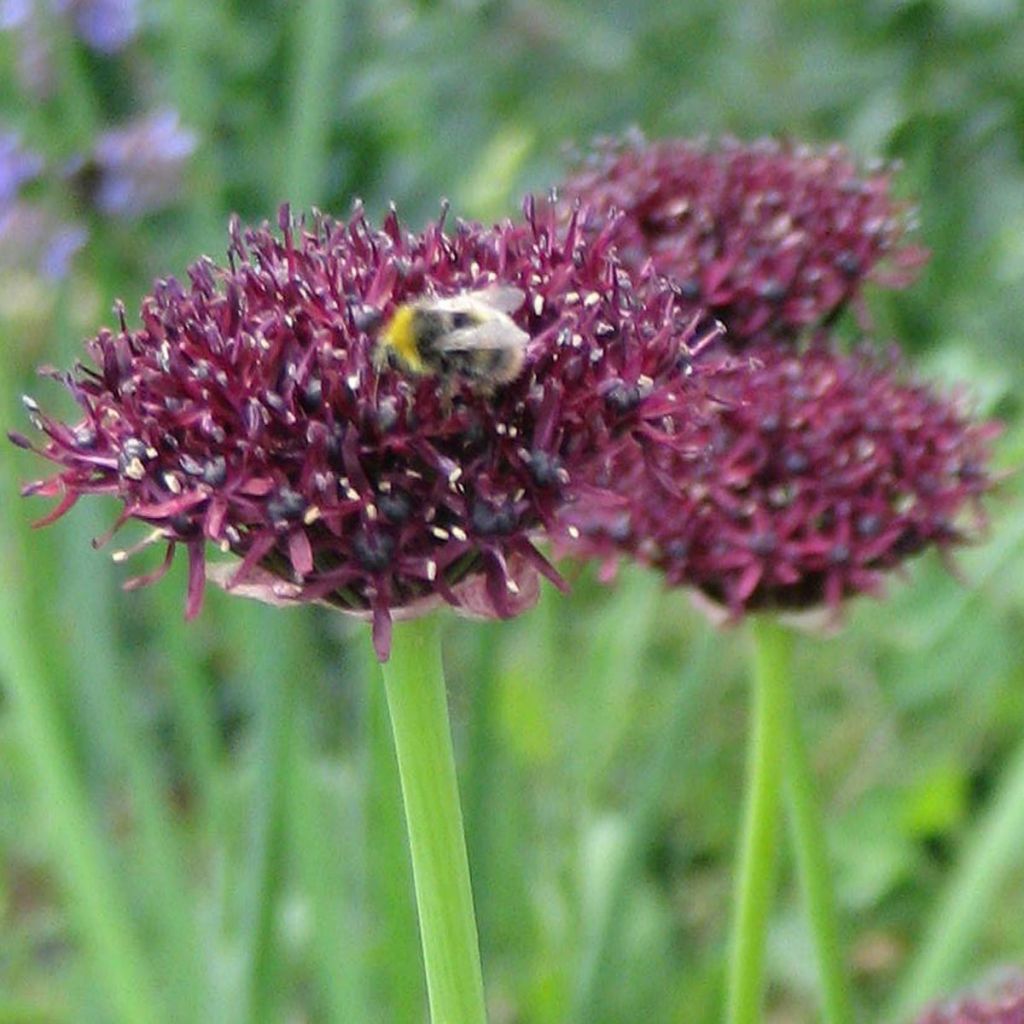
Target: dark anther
{"x": 488, "y": 521}
{"x": 387, "y": 414}
{"x": 183, "y": 526}
{"x": 286, "y": 507}
{"x": 869, "y": 524}
{"x": 311, "y": 397}
{"x": 772, "y": 290}
{"x": 839, "y": 555}
{"x": 544, "y": 468}
{"x": 763, "y": 544}
{"x": 215, "y": 472}
{"x": 394, "y": 506}
{"x": 795, "y": 462}
{"x": 677, "y": 550}
{"x": 621, "y": 529}
{"x": 373, "y": 550}
{"x": 848, "y": 264}
{"x": 86, "y": 436}
{"x": 133, "y": 448}
{"x": 623, "y": 397}
{"x": 689, "y": 289}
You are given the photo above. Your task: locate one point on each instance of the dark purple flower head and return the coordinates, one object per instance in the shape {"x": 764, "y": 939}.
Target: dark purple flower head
{"x": 772, "y": 238}
{"x": 247, "y": 411}
{"x": 1001, "y": 1001}
{"x": 818, "y": 474}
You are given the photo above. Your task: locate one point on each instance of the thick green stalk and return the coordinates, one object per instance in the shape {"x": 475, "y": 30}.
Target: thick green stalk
{"x": 963, "y": 908}
{"x": 809, "y": 843}
{"x": 756, "y": 866}
{"x": 414, "y": 682}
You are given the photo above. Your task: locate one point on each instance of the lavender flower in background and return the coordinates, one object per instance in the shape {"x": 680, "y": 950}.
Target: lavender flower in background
{"x": 106, "y": 26}
{"x": 138, "y": 168}
{"x": 30, "y": 234}
{"x": 18, "y": 166}
{"x": 33, "y": 237}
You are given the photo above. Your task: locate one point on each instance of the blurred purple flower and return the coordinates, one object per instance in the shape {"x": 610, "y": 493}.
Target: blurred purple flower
{"x": 29, "y": 234}
{"x": 248, "y": 411}
{"x": 18, "y": 166}
{"x": 138, "y": 168}
{"x": 106, "y": 26}
{"x": 999, "y": 1001}
{"x": 771, "y": 238}
{"x": 818, "y": 474}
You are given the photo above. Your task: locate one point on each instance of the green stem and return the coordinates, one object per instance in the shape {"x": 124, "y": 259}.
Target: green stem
{"x": 317, "y": 31}
{"x": 809, "y": 843}
{"x": 755, "y": 877}
{"x": 414, "y": 683}
{"x": 966, "y": 903}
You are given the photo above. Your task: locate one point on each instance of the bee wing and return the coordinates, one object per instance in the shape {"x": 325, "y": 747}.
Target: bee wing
{"x": 505, "y": 298}
{"x": 493, "y": 334}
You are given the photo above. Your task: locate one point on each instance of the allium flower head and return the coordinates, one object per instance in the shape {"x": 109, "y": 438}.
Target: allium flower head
{"x": 819, "y": 473}
{"x": 999, "y": 1002}
{"x": 247, "y": 411}
{"x": 772, "y": 238}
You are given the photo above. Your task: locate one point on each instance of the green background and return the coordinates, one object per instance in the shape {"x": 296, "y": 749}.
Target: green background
{"x": 233, "y": 779}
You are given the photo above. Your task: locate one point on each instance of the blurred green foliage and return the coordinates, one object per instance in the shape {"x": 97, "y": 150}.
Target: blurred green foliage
{"x": 238, "y": 771}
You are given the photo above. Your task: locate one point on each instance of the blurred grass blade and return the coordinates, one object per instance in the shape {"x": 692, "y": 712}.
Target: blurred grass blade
{"x": 946, "y": 951}
{"x": 274, "y": 658}
{"x": 316, "y": 47}
{"x": 600, "y": 950}
{"x": 130, "y": 760}
{"x": 323, "y": 852}
{"x": 96, "y": 898}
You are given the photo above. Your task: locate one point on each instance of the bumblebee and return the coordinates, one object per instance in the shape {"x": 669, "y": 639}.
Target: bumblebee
{"x": 467, "y": 338}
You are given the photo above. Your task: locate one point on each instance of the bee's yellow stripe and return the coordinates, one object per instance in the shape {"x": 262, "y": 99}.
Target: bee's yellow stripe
{"x": 399, "y": 335}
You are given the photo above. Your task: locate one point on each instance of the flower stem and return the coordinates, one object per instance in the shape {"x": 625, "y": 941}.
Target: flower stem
{"x": 809, "y": 843}
{"x": 962, "y": 908}
{"x": 755, "y": 876}
{"x": 414, "y": 683}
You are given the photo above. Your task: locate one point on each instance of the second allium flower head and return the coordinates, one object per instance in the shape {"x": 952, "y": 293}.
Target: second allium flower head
{"x": 248, "y": 411}
{"x": 772, "y": 238}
